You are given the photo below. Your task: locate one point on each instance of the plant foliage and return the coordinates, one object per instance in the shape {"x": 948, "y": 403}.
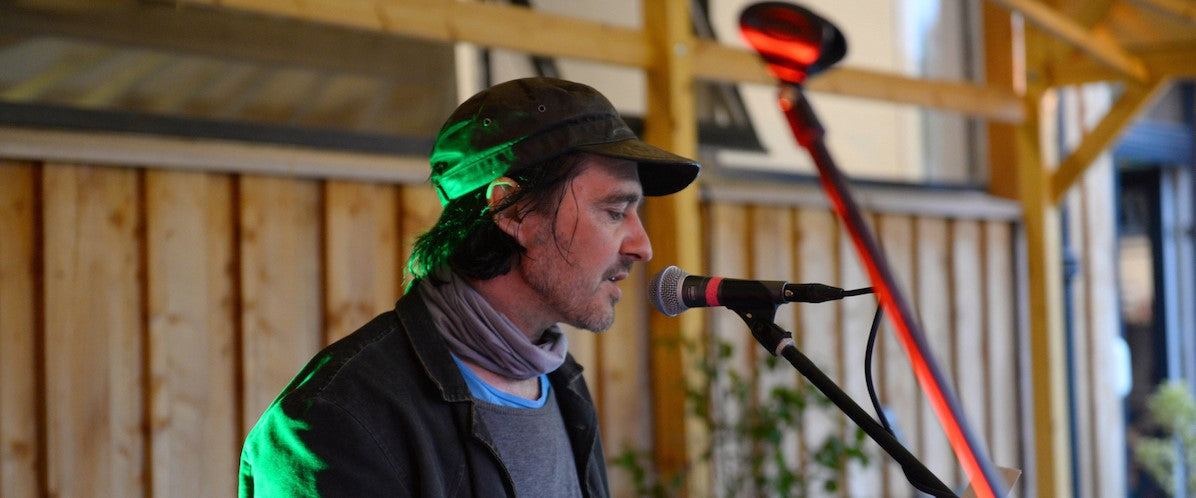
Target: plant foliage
{"x": 756, "y": 444}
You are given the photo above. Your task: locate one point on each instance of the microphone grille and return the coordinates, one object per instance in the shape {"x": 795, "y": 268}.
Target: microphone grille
{"x": 664, "y": 290}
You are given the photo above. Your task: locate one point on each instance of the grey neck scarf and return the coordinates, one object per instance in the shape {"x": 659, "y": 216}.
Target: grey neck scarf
{"x": 481, "y": 335}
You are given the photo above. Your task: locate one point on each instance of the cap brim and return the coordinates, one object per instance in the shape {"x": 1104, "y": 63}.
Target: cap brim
{"x": 661, "y": 172}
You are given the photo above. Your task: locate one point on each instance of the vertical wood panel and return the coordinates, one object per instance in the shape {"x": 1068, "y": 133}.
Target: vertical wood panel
{"x": 1108, "y": 421}
{"x": 280, "y": 285}
{"x": 1004, "y": 428}
{"x": 94, "y": 332}
{"x": 420, "y": 207}
{"x": 19, "y": 446}
{"x": 817, "y": 260}
{"x": 968, "y": 325}
{"x": 623, "y": 386}
{"x": 855, "y": 322}
{"x": 361, "y": 254}
{"x": 900, "y": 394}
{"x": 1076, "y": 326}
{"x": 772, "y": 259}
{"x": 189, "y": 242}
{"x": 934, "y": 307}
{"x": 729, "y": 252}
{"x": 1080, "y": 346}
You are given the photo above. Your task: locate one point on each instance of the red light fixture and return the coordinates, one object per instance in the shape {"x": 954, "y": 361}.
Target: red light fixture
{"x": 794, "y": 42}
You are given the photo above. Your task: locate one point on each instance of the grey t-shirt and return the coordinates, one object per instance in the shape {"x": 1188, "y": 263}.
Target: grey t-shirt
{"x": 535, "y": 448}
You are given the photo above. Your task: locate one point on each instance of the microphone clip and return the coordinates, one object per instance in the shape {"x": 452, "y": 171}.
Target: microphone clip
{"x": 760, "y": 320}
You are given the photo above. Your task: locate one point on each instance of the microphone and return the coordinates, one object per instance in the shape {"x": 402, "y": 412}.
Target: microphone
{"x": 673, "y": 290}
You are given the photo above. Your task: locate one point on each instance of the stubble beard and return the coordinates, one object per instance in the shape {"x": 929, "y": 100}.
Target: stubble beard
{"x": 563, "y": 285}
{"x": 570, "y": 297}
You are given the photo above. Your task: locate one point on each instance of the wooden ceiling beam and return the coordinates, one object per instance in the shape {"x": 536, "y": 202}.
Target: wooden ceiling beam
{"x": 1086, "y": 12}
{"x": 538, "y": 33}
{"x": 1132, "y": 101}
{"x": 494, "y": 25}
{"x": 1185, "y": 10}
{"x": 714, "y": 61}
{"x": 1094, "y": 43}
{"x": 220, "y": 34}
{"x": 1173, "y": 61}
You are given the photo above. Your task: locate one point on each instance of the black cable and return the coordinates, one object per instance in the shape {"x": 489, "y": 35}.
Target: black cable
{"x": 910, "y": 474}
{"x": 880, "y": 414}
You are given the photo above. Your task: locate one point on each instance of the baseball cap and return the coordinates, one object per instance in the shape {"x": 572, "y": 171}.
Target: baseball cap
{"x": 527, "y": 121}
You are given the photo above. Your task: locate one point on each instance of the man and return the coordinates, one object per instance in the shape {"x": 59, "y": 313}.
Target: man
{"x": 466, "y": 388}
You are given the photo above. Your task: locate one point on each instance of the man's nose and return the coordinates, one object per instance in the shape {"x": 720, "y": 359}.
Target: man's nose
{"x": 636, "y": 245}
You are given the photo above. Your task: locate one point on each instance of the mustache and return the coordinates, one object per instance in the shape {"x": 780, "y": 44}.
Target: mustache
{"x": 623, "y": 266}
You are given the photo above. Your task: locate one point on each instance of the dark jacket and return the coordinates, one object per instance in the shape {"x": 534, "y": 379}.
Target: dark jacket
{"x": 386, "y": 412}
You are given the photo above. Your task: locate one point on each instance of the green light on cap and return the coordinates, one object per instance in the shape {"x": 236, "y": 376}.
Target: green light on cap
{"x": 457, "y": 169}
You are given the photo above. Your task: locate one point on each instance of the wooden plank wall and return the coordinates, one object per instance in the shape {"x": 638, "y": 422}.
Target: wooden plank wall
{"x": 959, "y": 274}
{"x": 150, "y": 315}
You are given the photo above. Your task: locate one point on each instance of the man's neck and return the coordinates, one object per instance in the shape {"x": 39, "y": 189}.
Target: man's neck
{"x": 509, "y": 296}
{"x": 513, "y": 301}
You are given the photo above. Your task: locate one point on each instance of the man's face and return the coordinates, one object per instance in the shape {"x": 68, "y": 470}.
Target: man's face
{"x": 598, "y": 235}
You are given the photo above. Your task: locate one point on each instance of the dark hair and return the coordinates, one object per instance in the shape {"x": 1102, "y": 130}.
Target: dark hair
{"x": 466, "y": 239}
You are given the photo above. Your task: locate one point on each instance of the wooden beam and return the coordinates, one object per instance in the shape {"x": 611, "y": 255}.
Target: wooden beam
{"x": 674, "y": 225}
{"x": 220, "y": 156}
{"x": 236, "y": 36}
{"x": 539, "y": 33}
{"x": 715, "y": 61}
{"x": 1003, "y": 68}
{"x": 1099, "y": 46}
{"x": 1048, "y": 388}
{"x": 1177, "y": 61}
{"x": 1174, "y": 61}
{"x": 1185, "y": 10}
{"x": 888, "y": 199}
{"x": 1135, "y": 98}
{"x": 1086, "y": 13}
{"x": 494, "y": 25}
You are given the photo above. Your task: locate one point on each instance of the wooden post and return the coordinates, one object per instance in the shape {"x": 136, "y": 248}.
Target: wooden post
{"x": 1002, "y": 70}
{"x": 1052, "y": 462}
{"x": 673, "y": 224}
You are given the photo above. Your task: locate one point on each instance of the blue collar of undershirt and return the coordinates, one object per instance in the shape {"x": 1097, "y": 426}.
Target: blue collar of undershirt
{"x": 490, "y": 394}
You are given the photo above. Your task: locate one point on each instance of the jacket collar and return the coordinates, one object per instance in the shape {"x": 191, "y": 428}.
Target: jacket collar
{"x": 430, "y": 348}
{"x": 436, "y": 359}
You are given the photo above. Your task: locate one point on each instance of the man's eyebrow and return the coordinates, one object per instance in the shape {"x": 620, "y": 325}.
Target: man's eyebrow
{"x": 622, "y": 197}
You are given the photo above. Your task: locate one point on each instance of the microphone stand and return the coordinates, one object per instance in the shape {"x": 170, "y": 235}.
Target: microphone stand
{"x": 809, "y": 133}
{"x": 779, "y": 342}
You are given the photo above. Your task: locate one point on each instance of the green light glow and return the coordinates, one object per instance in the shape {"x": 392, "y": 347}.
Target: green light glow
{"x": 460, "y": 164}
{"x": 275, "y": 461}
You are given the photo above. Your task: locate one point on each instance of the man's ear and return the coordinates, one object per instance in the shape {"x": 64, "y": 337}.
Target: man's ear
{"x": 499, "y": 190}
{"x": 497, "y": 194}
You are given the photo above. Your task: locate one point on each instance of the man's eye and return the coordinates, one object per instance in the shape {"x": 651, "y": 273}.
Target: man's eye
{"x": 616, "y": 214}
